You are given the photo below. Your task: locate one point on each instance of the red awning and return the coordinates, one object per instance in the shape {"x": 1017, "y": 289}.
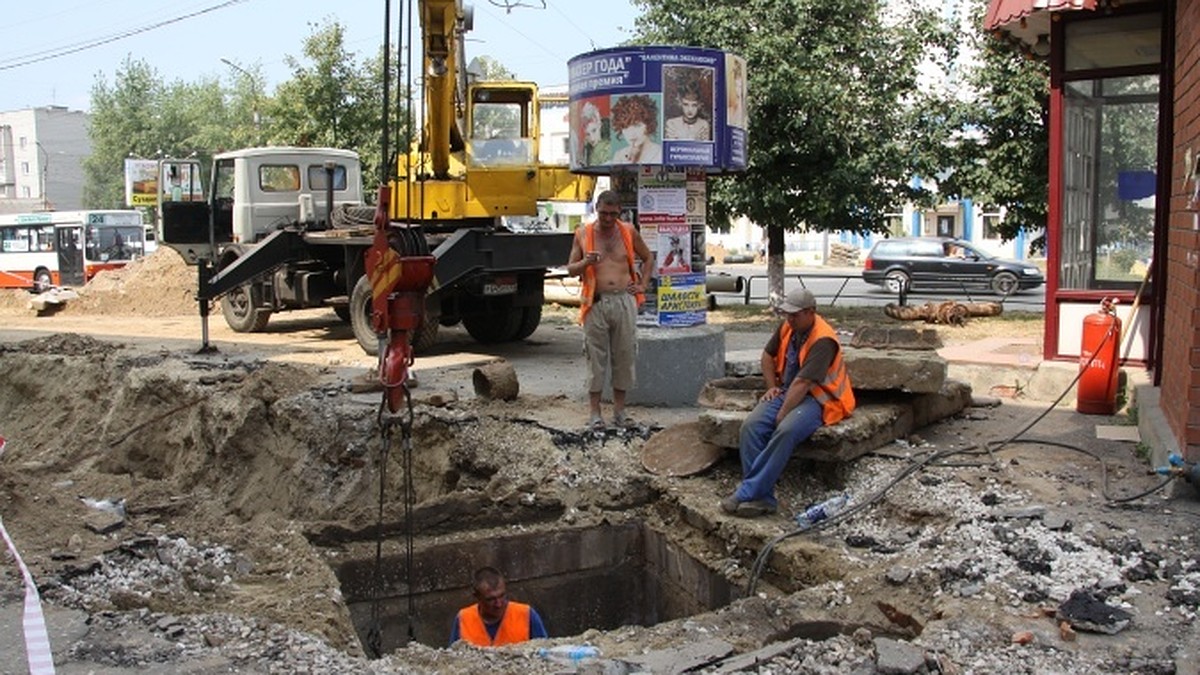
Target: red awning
{"x": 1001, "y": 13}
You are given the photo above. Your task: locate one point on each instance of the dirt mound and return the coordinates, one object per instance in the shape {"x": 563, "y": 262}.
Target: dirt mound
{"x": 161, "y": 284}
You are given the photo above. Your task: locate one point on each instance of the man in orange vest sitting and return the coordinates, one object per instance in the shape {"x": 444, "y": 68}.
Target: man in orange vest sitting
{"x": 495, "y": 620}
{"x": 605, "y": 256}
{"x": 807, "y": 387}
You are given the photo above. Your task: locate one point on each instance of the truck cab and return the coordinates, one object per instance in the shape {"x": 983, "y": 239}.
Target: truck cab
{"x": 258, "y": 190}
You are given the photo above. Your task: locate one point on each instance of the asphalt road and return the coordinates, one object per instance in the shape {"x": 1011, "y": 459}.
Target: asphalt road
{"x": 844, "y": 286}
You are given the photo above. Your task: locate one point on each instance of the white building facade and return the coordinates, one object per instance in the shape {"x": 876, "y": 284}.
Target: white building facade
{"x": 41, "y": 159}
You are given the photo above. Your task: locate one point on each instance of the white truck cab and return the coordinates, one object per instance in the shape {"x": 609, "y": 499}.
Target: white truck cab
{"x": 261, "y": 189}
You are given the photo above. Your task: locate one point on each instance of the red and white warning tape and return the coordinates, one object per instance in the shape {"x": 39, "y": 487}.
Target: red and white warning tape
{"x": 37, "y": 642}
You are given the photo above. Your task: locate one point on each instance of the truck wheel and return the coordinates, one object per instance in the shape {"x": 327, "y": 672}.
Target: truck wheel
{"x": 360, "y": 316}
{"x": 238, "y": 307}
{"x": 531, "y": 317}
{"x": 360, "y": 321}
{"x": 426, "y": 335}
{"x": 501, "y": 325}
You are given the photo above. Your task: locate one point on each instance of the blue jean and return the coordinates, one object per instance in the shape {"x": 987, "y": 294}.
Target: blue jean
{"x": 765, "y": 449}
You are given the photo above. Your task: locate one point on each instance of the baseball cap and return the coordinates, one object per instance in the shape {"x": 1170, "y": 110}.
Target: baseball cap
{"x": 798, "y": 299}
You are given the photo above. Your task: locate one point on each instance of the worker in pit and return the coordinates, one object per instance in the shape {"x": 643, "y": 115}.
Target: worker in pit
{"x": 807, "y": 388}
{"x": 494, "y": 620}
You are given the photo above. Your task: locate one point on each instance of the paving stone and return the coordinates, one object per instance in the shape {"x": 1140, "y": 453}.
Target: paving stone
{"x": 894, "y": 657}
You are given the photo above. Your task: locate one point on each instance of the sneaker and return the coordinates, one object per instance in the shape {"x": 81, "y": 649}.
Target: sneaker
{"x": 756, "y": 508}
{"x": 730, "y": 505}
{"x": 597, "y": 424}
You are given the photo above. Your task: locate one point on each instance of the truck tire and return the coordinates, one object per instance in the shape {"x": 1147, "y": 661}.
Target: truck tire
{"x": 498, "y": 325}
{"x": 360, "y": 321}
{"x": 360, "y": 316}
{"x": 531, "y": 317}
{"x": 238, "y": 308}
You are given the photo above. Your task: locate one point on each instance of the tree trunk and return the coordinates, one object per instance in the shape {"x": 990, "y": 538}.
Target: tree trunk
{"x": 775, "y": 265}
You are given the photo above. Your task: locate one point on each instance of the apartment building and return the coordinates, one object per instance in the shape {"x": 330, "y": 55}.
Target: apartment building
{"x": 41, "y": 159}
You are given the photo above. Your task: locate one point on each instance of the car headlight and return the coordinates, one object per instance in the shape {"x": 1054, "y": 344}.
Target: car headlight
{"x": 1031, "y": 271}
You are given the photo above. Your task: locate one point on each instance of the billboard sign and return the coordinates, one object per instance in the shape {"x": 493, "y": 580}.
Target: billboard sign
{"x": 672, "y": 106}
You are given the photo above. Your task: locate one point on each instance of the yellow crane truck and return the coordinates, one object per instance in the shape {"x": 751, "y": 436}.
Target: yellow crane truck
{"x": 287, "y": 228}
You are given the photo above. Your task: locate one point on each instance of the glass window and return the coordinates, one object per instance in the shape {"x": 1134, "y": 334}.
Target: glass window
{"x": 991, "y": 219}
{"x": 317, "y": 174}
{"x": 25, "y": 168}
{"x": 1134, "y": 40}
{"x": 279, "y": 178}
{"x": 223, "y": 188}
{"x": 1110, "y": 137}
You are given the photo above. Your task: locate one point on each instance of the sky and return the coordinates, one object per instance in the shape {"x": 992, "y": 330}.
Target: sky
{"x": 187, "y": 40}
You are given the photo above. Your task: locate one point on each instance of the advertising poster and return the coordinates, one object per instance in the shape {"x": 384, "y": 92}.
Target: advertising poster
{"x": 141, "y": 182}
{"x": 663, "y": 216}
{"x": 681, "y": 300}
{"x": 696, "y": 211}
{"x": 633, "y": 106}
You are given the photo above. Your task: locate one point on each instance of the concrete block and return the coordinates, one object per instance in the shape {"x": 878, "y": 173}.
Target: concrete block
{"x": 743, "y": 363}
{"x": 872, "y": 426}
{"x": 722, "y": 427}
{"x": 920, "y": 372}
{"x": 732, "y": 393}
{"x": 673, "y": 364}
{"x": 930, "y": 408}
{"x": 892, "y": 337}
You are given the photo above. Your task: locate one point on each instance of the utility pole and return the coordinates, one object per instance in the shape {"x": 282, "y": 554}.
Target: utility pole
{"x": 43, "y": 167}
{"x": 254, "y": 93}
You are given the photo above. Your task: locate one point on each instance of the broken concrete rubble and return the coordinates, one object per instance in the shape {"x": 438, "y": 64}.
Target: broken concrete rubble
{"x": 272, "y": 457}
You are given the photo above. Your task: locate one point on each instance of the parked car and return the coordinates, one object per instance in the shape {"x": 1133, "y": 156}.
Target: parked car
{"x": 912, "y": 262}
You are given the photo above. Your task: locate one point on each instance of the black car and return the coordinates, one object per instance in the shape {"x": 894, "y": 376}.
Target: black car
{"x": 911, "y": 262}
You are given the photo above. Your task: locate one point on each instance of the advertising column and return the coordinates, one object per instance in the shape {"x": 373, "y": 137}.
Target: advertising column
{"x": 659, "y": 121}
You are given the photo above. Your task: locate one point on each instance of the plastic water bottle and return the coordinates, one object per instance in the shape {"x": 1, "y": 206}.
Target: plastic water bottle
{"x": 818, "y": 512}
{"x": 569, "y": 654}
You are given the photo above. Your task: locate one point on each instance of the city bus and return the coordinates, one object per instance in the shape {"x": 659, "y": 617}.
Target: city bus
{"x": 66, "y": 248}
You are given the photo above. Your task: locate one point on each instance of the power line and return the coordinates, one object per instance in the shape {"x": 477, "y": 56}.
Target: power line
{"x": 57, "y": 52}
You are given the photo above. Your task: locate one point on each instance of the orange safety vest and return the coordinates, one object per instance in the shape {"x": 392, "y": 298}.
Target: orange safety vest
{"x": 834, "y": 392}
{"x": 514, "y": 627}
{"x": 588, "y": 288}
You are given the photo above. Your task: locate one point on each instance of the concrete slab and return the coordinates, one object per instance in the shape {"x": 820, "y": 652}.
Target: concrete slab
{"x": 874, "y": 424}
{"x": 916, "y": 371}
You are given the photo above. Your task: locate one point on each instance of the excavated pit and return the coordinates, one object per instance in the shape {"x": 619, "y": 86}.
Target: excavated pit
{"x": 578, "y": 578}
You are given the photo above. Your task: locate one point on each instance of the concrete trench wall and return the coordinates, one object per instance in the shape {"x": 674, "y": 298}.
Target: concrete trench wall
{"x": 577, "y": 578}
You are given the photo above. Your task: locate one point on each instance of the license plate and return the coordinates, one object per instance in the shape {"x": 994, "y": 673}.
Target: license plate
{"x": 501, "y": 286}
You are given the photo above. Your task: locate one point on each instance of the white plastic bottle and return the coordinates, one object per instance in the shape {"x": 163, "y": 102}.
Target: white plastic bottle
{"x": 818, "y": 512}
{"x": 569, "y": 654}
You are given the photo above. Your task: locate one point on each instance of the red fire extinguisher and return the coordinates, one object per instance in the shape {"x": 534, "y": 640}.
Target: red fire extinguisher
{"x": 1096, "y": 393}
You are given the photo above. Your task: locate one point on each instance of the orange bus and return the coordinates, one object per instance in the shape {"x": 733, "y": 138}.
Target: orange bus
{"x": 66, "y": 248}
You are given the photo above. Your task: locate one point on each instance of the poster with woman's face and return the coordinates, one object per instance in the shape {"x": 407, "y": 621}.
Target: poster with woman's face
{"x": 735, "y": 91}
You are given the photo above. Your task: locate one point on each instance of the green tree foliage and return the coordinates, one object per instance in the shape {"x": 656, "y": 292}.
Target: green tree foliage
{"x": 140, "y": 116}
{"x": 838, "y": 124}
{"x": 333, "y": 99}
{"x": 1001, "y": 156}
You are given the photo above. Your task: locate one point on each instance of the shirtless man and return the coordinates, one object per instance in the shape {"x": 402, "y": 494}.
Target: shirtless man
{"x": 604, "y": 254}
